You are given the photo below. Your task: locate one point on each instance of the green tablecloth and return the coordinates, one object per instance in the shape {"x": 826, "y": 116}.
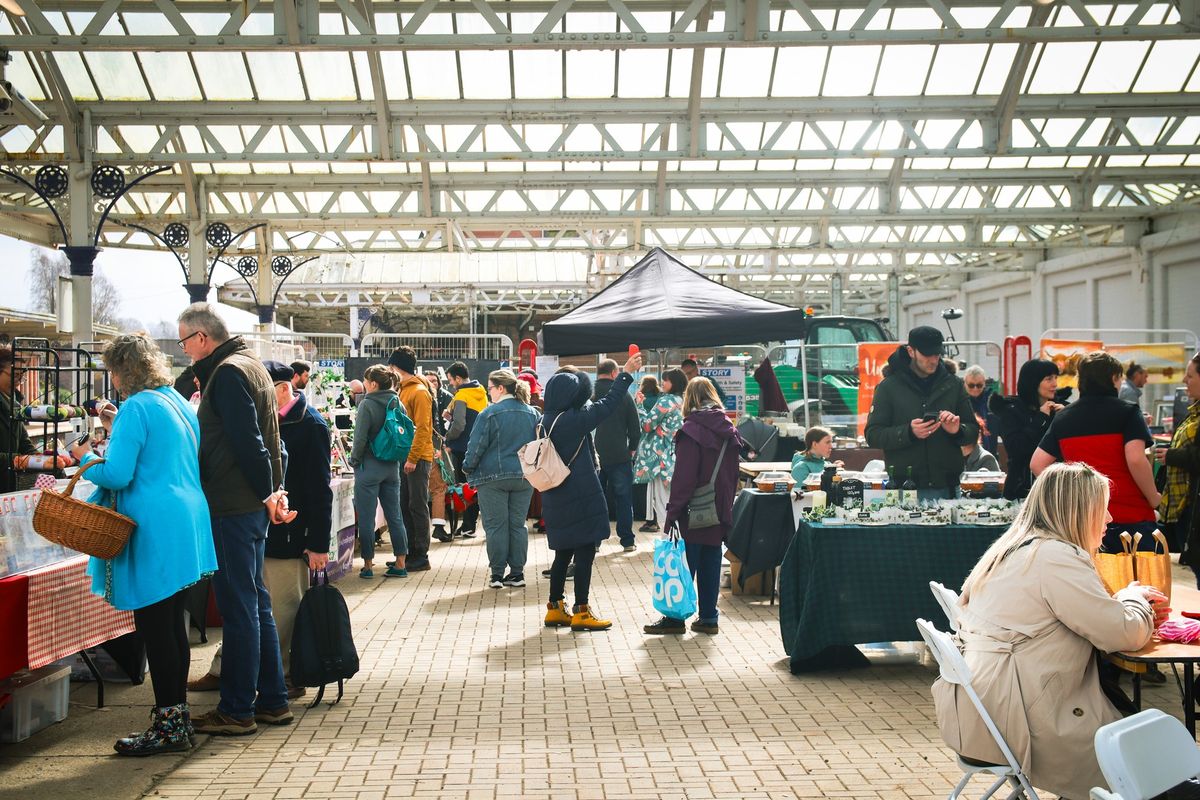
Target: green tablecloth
{"x": 848, "y": 584}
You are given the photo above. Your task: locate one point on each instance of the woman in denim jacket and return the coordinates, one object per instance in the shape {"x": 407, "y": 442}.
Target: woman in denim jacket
{"x": 500, "y": 430}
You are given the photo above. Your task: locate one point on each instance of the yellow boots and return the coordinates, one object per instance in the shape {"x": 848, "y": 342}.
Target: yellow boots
{"x": 557, "y": 615}
{"x": 584, "y": 621}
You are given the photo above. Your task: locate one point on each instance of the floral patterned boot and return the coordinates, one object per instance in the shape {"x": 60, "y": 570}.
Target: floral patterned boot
{"x": 168, "y": 733}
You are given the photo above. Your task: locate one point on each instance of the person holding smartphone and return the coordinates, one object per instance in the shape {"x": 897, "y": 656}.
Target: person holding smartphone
{"x": 922, "y": 416}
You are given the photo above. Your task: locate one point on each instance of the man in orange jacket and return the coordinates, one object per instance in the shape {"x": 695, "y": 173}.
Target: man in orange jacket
{"x": 417, "y": 398}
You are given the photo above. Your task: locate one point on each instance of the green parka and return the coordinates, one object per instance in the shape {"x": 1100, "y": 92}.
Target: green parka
{"x": 900, "y": 398}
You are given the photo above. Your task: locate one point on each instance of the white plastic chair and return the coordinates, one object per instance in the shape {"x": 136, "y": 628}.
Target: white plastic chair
{"x": 1144, "y": 755}
{"x": 948, "y": 600}
{"x": 954, "y": 670}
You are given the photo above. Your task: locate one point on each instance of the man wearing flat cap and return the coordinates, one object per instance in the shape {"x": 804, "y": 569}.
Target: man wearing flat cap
{"x": 922, "y": 416}
{"x": 14, "y": 441}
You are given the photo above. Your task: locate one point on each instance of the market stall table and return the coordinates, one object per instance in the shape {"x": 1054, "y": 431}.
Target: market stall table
{"x": 763, "y": 526}
{"x": 842, "y": 585}
{"x": 1183, "y": 598}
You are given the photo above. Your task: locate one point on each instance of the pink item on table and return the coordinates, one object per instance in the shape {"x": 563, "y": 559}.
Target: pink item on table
{"x": 45, "y": 481}
{"x": 1185, "y": 631}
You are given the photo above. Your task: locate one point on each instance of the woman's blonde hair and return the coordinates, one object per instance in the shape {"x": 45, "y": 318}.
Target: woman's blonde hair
{"x": 700, "y": 393}
{"x": 1067, "y": 503}
{"x": 509, "y": 383}
{"x": 137, "y": 363}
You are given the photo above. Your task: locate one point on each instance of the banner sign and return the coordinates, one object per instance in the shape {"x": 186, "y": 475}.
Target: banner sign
{"x": 1066, "y": 354}
{"x": 872, "y": 358}
{"x": 732, "y": 380}
{"x": 1165, "y": 363}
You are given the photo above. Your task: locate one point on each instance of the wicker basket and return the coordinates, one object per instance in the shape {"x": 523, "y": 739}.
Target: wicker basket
{"x": 91, "y": 529}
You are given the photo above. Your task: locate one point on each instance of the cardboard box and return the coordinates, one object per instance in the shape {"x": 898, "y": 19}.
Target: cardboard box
{"x": 756, "y": 585}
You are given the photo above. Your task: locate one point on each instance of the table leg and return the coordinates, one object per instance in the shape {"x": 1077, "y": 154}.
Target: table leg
{"x": 773, "y": 578}
{"x": 1137, "y": 690}
{"x": 1189, "y": 698}
{"x": 87, "y": 660}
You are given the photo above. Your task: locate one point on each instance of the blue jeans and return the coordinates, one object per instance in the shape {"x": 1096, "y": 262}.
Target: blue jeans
{"x": 704, "y": 561}
{"x": 378, "y": 483}
{"x": 503, "y": 505}
{"x": 252, "y": 670}
{"x": 620, "y": 478}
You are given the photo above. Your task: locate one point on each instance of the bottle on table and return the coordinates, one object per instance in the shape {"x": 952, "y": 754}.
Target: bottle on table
{"x": 891, "y": 490}
{"x": 908, "y": 490}
{"x": 835, "y": 492}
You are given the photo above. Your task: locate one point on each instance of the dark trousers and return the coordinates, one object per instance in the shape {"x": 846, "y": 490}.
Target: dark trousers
{"x": 619, "y": 478}
{"x": 414, "y": 506}
{"x": 704, "y": 562}
{"x": 470, "y": 517}
{"x": 583, "y": 573}
{"x": 1112, "y": 535}
{"x": 168, "y": 651}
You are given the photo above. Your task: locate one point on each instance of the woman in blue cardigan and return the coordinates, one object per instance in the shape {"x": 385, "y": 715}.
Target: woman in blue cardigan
{"x": 153, "y": 465}
{"x": 575, "y": 511}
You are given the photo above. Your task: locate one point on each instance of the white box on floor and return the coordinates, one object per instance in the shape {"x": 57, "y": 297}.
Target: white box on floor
{"x": 33, "y": 701}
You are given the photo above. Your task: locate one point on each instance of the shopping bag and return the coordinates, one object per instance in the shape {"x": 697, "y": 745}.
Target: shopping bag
{"x": 674, "y": 589}
{"x": 1152, "y": 567}
{"x": 1116, "y": 569}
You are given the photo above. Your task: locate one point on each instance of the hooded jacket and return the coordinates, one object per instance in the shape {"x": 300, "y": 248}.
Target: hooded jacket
{"x": 617, "y": 437}
{"x": 1020, "y": 424}
{"x": 697, "y": 446}
{"x": 469, "y": 400}
{"x": 305, "y": 434}
{"x": 937, "y": 461}
{"x": 417, "y": 398}
{"x": 575, "y": 511}
{"x": 372, "y": 410}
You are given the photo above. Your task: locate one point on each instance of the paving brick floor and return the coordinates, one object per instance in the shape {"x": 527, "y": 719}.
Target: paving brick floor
{"x": 464, "y": 694}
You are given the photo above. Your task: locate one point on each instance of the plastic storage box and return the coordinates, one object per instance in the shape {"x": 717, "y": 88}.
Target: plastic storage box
{"x": 33, "y": 701}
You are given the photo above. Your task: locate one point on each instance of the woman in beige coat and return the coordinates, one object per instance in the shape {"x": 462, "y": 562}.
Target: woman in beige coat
{"x": 1034, "y": 615}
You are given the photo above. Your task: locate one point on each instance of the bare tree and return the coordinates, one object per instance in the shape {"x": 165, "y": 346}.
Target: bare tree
{"x": 45, "y": 267}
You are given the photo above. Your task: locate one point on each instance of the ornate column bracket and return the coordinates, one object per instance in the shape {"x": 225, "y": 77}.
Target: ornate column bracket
{"x": 281, "y": 266}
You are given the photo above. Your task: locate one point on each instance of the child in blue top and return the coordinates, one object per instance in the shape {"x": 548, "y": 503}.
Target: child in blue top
{"x": 818, "y": 447}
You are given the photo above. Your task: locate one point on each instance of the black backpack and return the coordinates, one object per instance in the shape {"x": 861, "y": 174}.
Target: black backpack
{"x": 323, "y": 643}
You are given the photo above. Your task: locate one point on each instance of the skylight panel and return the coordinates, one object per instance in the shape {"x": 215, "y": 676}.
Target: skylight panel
{"x": 170, "y": 76}
{"x": 590, "y": 73}
{"x": 224, "y": 75}
{"x": 276, "y": 76}
{"x": 1114, "y": 66}
{"x": 996, "y": 70}
{"x": 851, "y": 71}
{"x": 538, "y": 74}
{"x": 902, "y": 69}
{"x": 117, "y": 76}
{"x": 643, "y": 73}
{"x": 1167, "y": 66}
{"x": 681, "y": 73}
{"x": 955, "y": 69}
{"x": 20, "y": 73}
{"x": 434, "y": 75}
{"x": 746, "y": 72}
{"x": 798, "y": 71}
{"x": 485, "y": 74}
{"x": 394, "y": 74}
{"x": 1060, "y": 67}
{"x": 328, "y": 75}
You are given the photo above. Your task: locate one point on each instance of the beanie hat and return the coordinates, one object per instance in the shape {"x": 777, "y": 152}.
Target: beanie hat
{"x": 404, "y": 361}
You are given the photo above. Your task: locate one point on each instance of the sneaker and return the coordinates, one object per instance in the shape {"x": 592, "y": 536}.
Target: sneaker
{"x": 648, "y": 527}
{"x": 296, "y": 692}
{"x": 418, "y": 564}
{"x": 539, "y": 526}
{"x": 704, "y": 627}
{"x": 666, "y": 625}
{"x": 396, "y": 572}
{"x": 514, "y": 580}
{"x": 629, "y": 548}
{"x": 496, "y": 581}
{"x": 467, "y": 533}
{"x": 206, "y": 683}
{"x": 570, "y": 572}
{"x": 280, "y": 716}
{"x": 217, "y": 724}
{"x": 366, "y": 572}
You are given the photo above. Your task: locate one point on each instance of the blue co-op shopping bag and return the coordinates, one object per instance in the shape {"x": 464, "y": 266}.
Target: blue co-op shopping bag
{"x": 674, "y": 589}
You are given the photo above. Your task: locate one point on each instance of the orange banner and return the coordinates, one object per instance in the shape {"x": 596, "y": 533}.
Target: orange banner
{"x": 1066, "y": 353}
{"x": 1165, "y": 363}
{"x": 872, "y": 358}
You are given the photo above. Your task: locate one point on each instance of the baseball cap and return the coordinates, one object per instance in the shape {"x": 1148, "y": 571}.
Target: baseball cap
{"x": 279, "y": 371}
{"x": 926, "y": 340}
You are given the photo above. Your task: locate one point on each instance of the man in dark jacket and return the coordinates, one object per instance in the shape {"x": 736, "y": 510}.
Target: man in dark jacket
{"x": 241, "y": 472}
{"x": 921, "y": 417}
{"x": 14, "y": 440}
{"x": 616, "y": 442}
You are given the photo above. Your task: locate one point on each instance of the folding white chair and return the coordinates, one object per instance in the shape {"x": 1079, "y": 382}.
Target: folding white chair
{"x": 1144, "y": 755}
{"x": 948, "y": 600}
{"x": 954, "y": 670}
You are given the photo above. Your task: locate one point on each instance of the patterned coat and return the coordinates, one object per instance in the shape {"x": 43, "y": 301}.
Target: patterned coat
{"x": 656, "y": 449}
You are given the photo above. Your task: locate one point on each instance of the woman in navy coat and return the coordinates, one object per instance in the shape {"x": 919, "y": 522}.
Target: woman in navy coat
{"x": 575, "y": 511}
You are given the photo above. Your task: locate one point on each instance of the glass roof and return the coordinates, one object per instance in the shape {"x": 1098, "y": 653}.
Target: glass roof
{"x": 903, "y": 136}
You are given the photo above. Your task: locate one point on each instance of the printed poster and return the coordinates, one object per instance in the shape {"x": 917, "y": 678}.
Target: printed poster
{"x": 872, "y": 358}
{"x": 1066, "y": 354}
{"x": 732, "y": 380}
{"x": 1165, "y": 363}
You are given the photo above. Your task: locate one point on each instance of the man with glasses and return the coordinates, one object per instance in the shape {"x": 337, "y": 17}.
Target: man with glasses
{"x": 14, "y": 441}
{"x": 975, "y": 379}
{"x": 241, "y": 472}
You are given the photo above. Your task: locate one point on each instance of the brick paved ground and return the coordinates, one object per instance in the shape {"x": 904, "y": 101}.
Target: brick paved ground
{"x": 463, "y": 694}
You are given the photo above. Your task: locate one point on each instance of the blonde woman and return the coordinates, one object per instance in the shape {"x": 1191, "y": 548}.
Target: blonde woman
{"x": 1034, "y": 616}
{"x": 153, "y": 464}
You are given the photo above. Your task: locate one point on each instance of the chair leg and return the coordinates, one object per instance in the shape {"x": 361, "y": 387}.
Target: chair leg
{"x": 993, "y": 789}
{"x": 954, "y": 795}
{"x": 1023, "y": 788}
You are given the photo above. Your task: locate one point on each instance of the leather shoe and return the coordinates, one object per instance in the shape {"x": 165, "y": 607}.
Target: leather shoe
{"x": 205, "y": 683}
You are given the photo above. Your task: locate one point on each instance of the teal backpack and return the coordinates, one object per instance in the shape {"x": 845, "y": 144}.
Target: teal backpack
{"x": 395, "y": 438}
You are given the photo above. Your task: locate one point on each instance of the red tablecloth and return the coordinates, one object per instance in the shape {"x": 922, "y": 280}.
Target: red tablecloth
{"x": 64, "y": 617}
{"x": 14, "y": 598}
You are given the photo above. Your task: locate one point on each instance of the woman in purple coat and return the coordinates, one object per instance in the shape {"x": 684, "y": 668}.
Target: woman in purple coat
{"x": 697, "y": 450}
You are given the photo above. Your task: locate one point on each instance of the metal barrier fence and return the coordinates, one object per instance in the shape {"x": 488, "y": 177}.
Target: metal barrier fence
{"x": 289, "y": 347}
{"x": 440, "y": 346}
